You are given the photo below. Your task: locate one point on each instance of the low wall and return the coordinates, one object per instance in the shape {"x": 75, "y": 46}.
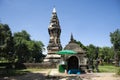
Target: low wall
{"x": 40, "y": 65}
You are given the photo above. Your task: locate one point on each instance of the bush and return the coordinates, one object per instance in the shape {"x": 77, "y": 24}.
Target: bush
{"x": 20, "y": 66}
{"x": 7, "y": 65}
{"x": 118, "y": 71}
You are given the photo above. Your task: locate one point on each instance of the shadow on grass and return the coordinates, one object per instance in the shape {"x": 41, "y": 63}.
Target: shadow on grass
{"x": 21, "y": 73}
{"x": 13, "y": 74}
{"x": 7, "y": 69}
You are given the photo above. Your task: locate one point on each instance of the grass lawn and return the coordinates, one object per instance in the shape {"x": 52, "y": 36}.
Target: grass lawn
{"x": 108, "y": 68}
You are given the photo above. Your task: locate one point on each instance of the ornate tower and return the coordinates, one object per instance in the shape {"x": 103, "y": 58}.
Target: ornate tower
{"x": 54, "y": 42}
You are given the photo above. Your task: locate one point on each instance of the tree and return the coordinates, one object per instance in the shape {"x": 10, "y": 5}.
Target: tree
{"x": 20, "y": 47}
{"x": 106, "y": 54}
{"x": 27, "y": 50}
{"x": 23, "y": 34}
{"x": 35, "y": 48}
{"x": 115, "y": 40}
{"x": 91, "y": 51}
{"x": 6, "y": 42}
{"x": 92, "y": 54}
{"x": 81, "y": 45}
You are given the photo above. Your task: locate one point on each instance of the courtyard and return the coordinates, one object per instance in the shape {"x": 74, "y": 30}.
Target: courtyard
{"x": 54, "y": 75}
{"x": 106, "y": 73}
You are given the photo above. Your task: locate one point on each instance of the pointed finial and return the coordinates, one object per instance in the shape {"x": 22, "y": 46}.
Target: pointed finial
{"x": 72, "y": 39}
{"x": 54, "y": 10}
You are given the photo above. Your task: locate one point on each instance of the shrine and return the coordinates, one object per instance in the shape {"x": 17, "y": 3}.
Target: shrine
{"x": 74, "y": 61}
{"x": 54, "y": 42}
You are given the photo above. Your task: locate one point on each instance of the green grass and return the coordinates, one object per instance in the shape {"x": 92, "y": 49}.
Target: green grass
{"x": 34, "y": 69}
{"x": 118, "y": 71}
{"x": 108, "y": 68}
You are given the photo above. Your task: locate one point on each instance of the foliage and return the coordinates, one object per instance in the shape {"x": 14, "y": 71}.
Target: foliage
{"x": 6, "y": 43}
{"x": 35, "y": 48}
{"x": 81, "y": 45}
{"x": 91, "y": 51}
{"x": 106, "y": 54}
{"x": 18, "y": 47}
{"x": 118, "y": 71}
{"x": 27, "y": 50}
{"x": 115, "y": 40}
{"x": 23, "y": 34}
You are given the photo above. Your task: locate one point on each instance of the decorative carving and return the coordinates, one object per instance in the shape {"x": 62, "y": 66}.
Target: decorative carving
{"x": 54, "y": 45}
{"x": 54, "y": 32}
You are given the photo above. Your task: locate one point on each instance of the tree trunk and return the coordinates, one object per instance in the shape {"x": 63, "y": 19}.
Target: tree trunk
{"x": 116, "y": 59}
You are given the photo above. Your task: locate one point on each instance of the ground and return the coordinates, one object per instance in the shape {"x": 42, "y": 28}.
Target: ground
{"x": 53, "y": 74}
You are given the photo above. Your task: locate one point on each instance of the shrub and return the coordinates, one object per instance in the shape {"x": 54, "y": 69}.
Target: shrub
{"x": 118, "y": 71}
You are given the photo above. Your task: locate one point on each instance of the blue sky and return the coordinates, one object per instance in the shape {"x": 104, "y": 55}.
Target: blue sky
{"x": 90, "y": 21}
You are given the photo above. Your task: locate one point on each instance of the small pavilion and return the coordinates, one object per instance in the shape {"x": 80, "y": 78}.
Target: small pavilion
{"x": 75, "y": 61}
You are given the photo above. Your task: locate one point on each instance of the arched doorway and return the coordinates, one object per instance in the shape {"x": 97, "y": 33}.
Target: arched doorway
{"x": 72, "y": 63}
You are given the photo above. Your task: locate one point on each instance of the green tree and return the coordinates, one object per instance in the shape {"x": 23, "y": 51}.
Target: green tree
{"x": 81, "y": 45}
{"x": 6, "y": 42}
{"x": 20, "y": 47}
{"x": 115, "y": 40}
{"x": 22, "y": 35}
{"x": 92, "y": 54}
{"x": 27, "y": 50}
{"x": 35, "y": 49}
{"x": 91, "y": 51}
{"x": 106, "y": 54}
